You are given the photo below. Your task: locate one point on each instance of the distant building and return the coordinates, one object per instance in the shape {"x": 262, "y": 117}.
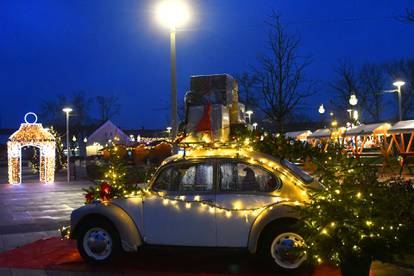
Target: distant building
{"x": 103, "y": 136}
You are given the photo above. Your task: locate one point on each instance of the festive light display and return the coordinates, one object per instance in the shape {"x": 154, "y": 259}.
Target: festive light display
{"x": 241, "y": 150}
{"x": 356, "y": 216}
{"x": 31, "y": 134}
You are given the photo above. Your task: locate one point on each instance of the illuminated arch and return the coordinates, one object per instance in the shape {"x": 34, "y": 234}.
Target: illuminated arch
{"x": 31, "y": 134}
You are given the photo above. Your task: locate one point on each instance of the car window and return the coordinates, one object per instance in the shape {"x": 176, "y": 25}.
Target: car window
{"x": 297, "y": 171}
{"x": 185, "y": 178}
{"x": 244, "y": 177}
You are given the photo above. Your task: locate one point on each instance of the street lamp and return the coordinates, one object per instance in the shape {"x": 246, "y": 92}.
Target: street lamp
{"x": 353, "y": 100}
{"x": 249, "y": 115}
{"x": 254, "y": 126}
{"x": 353, "y": 113}
{"x": 321, "y": 109}
{"x": 173, "y": 13}
{"x": 399, "y": 84}
{"x": 67, "y": 110}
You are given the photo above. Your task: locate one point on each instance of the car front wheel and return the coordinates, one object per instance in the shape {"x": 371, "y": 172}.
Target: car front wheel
{"x": 98, "y": 241}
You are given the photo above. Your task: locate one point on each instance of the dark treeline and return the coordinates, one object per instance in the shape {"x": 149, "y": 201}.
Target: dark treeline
{"x": 88, "y": 112}
{"x": 277, "y": 88}
{"x": 372, "y": 84}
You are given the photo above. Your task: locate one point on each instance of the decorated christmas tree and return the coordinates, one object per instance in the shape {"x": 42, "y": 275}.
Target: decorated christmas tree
{"x": 115, "y": 183}
{"x": 356, "y": 218}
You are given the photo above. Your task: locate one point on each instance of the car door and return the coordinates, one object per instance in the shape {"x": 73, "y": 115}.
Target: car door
{"x": 242, "y": 185}
{"x": 182, "y": 215}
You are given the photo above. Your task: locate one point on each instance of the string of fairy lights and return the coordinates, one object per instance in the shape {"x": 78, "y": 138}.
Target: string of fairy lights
{"x": 31, "y": 134}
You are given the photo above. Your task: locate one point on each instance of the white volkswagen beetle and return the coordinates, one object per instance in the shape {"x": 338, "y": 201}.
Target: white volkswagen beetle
{"x": 208, "y": 198}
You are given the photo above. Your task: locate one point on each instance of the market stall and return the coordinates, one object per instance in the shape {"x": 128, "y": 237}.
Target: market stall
{"x": 368, "y": 140}
{"x": 402, "y": 136}
{"x": 321, "y": 137}
{"x": 298, "y": 135}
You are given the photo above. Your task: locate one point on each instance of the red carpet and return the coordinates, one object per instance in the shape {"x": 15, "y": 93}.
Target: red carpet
{"x": 56, "y": 254}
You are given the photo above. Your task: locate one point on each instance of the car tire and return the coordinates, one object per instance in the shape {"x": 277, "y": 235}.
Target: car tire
{"x": 274, "y": 245}
{"x": 98, "y": 241}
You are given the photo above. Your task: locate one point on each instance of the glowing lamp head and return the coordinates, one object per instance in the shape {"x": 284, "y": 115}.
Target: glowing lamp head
{"x": 67, "y": 110}
{"x": 173, "y": 13}
{"x": 169, "y": 129}
{"x": 321, "y": 109}
{"x": 398, "y": 83}
{"x": 249, "y": 112}
{"x": 353, "y": 100}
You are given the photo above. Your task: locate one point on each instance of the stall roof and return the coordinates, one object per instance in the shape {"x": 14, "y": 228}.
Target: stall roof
{"x": 368, "y": 129}
{"x": 296, "y": 134}
{"x": 321, "y": 133}
{"x": 402, "y": 127}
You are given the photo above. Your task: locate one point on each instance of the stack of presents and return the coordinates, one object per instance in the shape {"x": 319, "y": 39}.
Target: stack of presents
{"x": 212, "y": 109}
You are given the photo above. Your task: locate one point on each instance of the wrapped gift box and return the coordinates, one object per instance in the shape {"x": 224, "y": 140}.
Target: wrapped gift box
{"x": 220, "y": 123}
{"x": 214, "y": 89}
{"x": 241, "y": 113}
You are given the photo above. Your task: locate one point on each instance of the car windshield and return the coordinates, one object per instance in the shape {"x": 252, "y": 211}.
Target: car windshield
{"x": 297, "y": 171}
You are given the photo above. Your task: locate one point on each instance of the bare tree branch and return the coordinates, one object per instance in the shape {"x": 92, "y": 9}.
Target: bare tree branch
{"x": 372, "y": 84}
{"x": 279, "y": 81}
{"x": 108, "y": 107}
{"x": 404, "y": 70}
{"x": 346, "y": 84}
{"x": 408, "y": 17}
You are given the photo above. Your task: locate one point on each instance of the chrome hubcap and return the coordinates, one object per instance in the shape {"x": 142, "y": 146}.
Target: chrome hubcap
{"x": 97, "y": 243}
{"x": 287, "y": 250}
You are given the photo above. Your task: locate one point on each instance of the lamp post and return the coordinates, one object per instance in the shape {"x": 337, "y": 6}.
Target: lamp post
{"x": 173, "y": 13}
{"x": 169, "y": 132}
{"x": 321, "y": 109}
{"x": 353, "y": 113}
{"x": 399, "y": 84}
{"x": 254, "y": 126}
{"x": 67, "y": 110}
{"x": 249, "y": 115}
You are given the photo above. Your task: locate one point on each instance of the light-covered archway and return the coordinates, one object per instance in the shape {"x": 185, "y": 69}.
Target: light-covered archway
{"x": 31, "y": 134}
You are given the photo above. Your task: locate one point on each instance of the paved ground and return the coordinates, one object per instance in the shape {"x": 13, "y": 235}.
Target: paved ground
{"x": 32, "y": 211}
{"x": 29, "y": 212}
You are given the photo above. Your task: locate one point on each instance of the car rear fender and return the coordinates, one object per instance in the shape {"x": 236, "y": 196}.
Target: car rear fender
{"x": 128, "y": 231}
{"x": 283, "y": 213}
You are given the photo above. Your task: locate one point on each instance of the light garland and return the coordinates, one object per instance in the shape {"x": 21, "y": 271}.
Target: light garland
{"x": 212, "y": 207}
{"x": 31, "y": 134}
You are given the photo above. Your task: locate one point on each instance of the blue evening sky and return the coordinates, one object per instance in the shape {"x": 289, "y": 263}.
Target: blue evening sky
{"x": 108, "y": 47}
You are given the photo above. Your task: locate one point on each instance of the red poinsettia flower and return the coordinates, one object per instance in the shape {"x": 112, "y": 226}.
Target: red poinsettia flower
{"x": 89, "y": 197}
{"x": 104, "y": 196}
{"x": 105, "y": 187}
